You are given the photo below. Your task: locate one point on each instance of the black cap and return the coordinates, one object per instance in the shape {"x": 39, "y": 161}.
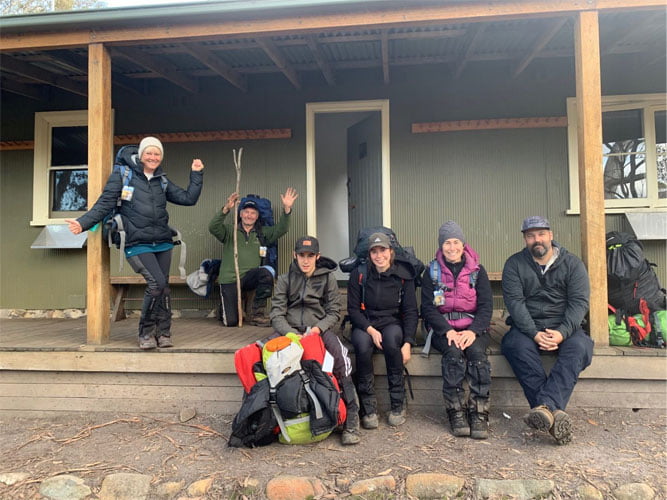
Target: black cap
{"x": 307, "y": 244}
{"x": 249, "y": 204}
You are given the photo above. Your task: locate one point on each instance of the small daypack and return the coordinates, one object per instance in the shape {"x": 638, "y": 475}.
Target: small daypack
{"x": 201, "y": 281}
{"x": 113, "y": 228}
{"x": 646, "y": 329}
{"x": 265, "y": 220}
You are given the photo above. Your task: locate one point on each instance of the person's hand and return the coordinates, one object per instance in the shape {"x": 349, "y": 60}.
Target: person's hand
{"x": 453, "y": 337}
{"x": 232, "y": 199}
{"x": 466, "y": 338}
{"x": 288, "y": 199}
{"x": 555, "y": 337}
{"x": 197, "y": 165}
{"x": 74, "y": 226}
{"x": 406, "y": 351}
{"x": 315, "y": 331}
{"x": 548, "y": 341}
{"x": 376, "y": 336}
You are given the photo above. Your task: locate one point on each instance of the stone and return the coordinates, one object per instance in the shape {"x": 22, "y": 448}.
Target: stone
{"x": 589, "y": 492}
{"x": 518, "y": 489}
{"x": 125, "y": 485}
{"x": 187, "y": 414}
{"x": 200, "y": 488}
{"x": 375, "y": 484}
{"x": 634, "y": 491}
{"x": 65, "y": 487}
{"x": 169, "y": 489}
{"x": 10, "y": 478}
{"x": 289, "y": 488}
{"x": 433, "y": 485}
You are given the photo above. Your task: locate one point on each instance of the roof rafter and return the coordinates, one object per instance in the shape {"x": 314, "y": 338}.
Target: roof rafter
{"x": 320, "y": 58}
{"x": 32, "y": 72}
{"x": 24, "y": 89}
{"x": 555, "y": 26}
{"x": 279, "y": 60}
{"x": 384, "y": 47}
{"x": 160, "y": 66}
{"x": 206, "y": 56}
{"x": 475, "y": 33}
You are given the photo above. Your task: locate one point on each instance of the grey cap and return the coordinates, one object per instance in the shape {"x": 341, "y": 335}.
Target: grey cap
{"x": 378, "y": 240}
{"x": 535, "y": 222}
{"x": 448, "y": 230}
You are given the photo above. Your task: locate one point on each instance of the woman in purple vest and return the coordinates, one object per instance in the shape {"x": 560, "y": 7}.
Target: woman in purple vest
{"x": 457, "y": 305}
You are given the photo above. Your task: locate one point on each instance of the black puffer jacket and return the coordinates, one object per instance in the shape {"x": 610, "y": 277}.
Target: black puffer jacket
{"x": 557, "y": 300}
{"x": 145, "y": 216}
{"x": 390, "y": 299}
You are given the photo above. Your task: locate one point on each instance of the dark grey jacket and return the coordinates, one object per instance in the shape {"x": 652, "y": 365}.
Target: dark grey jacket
{"x": 299, "y": 302}
{"x": 145, "y": 216}
{"x": 557, "y": 300}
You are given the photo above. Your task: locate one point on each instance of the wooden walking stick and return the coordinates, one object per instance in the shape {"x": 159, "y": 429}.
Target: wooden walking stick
{"x": 237, "y": 166}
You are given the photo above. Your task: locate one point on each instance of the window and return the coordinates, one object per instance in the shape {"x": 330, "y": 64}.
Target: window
{"x": 634, "y": 153}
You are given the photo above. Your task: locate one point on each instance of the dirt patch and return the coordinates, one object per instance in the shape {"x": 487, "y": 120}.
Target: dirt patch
{"x": 611, "y": 447}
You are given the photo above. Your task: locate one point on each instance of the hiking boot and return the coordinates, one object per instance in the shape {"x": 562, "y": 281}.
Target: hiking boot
{"x": 147, "y": 342}
{"x": 396, "y": 417}
{"x": 539, "y": 418}
{"x": 258, "y": 317}
{"x": 459, "y": 423}
{"x": 349, "y": 437}
{"x": 370, "y": 421}
{"x": 479, "y": 424}
{"x": 164, "y": 341}
{"x": 561, "y": 429}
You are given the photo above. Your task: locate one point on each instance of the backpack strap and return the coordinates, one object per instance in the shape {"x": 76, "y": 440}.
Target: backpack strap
{"x": 178, "y": 240}
{"x": 363, "y": 270}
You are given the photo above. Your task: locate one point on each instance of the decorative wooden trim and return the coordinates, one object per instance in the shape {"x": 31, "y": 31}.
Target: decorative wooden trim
{"x": 215, "y": 135}
{"x": 490, "y": 124}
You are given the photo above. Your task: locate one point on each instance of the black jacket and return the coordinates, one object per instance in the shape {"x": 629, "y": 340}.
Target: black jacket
{"x": 390, "y": 299}
{"x": 145, "y": 216}
{"x": 557, "y": 300}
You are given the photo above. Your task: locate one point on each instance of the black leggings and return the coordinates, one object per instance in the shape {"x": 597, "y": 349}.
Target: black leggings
{"x": 156, "y": 309}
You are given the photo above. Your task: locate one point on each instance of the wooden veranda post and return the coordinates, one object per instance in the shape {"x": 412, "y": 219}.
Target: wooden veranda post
{"x": 100, "y": 160}
{"x": 591, "y": 193}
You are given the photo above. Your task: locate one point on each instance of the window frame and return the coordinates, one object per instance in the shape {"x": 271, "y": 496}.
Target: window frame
{"x": 649, "y": 104}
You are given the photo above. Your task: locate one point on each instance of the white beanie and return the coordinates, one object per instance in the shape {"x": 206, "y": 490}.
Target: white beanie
{"x": 148, "y": 142}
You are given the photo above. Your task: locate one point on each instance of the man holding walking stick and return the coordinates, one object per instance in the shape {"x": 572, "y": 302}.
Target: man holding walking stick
{"x": 253, "y": 239}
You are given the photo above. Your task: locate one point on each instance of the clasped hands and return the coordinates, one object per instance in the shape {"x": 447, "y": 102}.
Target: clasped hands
{"x": 548, "y": 339}
{"x": 462, "y": 339}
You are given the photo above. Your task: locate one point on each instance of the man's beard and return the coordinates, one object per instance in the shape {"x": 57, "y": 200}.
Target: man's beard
{"x": 539, "y": 250}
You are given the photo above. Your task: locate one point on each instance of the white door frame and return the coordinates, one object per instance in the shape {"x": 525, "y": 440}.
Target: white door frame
{"x": 381, "y": 105}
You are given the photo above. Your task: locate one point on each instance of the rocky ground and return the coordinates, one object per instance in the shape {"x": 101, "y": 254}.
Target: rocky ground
{"x": 161, "y": 457}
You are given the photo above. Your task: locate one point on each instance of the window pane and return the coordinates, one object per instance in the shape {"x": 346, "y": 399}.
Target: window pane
{"x": 623, "y": 149}
{"x": 661, "y": 152}
{"x": 70, "y": 190}
{"x": 69, "y": 146}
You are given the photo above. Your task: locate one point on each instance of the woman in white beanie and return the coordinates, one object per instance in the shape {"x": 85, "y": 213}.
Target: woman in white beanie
{"x": 144, "y": 190}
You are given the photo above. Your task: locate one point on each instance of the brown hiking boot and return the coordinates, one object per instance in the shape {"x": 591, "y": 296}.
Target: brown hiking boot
{"x": 258, "y": 317}
{"x": 459, "y": 423}
{"x": 561, "y": 429}
{"x": 539, "y": 418}
{"x": 147, "y": 342}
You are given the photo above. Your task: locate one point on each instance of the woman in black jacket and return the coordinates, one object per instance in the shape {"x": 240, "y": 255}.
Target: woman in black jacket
{"x": 383, "y": 311}
{"x": 148, "y": 243}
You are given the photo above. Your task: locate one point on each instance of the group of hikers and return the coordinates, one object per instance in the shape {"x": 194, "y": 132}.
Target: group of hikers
{"x": 545, "y": 290}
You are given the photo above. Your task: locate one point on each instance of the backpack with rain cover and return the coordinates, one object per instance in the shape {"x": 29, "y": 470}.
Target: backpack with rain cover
{"x": 265, "y": 220}
{"x": 634, "y": 289}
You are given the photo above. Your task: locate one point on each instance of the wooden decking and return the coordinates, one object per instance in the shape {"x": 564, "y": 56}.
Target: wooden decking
{"x": 46, "y": 366}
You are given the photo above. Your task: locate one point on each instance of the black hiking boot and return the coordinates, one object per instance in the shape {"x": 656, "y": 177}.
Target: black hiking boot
{"x": 459, "y": 423}
{"x": 479, "y": 424}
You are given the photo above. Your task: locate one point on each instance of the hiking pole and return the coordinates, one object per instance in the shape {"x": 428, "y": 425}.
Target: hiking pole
{"x": 239, "y": 302}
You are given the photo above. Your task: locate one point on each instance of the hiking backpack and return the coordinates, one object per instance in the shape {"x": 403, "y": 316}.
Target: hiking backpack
{"x": 289, "y": 392}
{"x": 113, "y": 228}
{"x": 265, "y": 219}
{"x": 634, "y": 289}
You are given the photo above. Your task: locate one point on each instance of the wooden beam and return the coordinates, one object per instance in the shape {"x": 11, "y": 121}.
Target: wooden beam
{"x": 23, "y": 89}
{"x": 490, "y": 124}
{"x": 279, "y": 60}
{"x": 214, "y": 136}
{"x": 100, "y": 159}
{"x": 321, "y": 60}
{"x": 384, "y": 45}
{"x": 161, "y": 66}
{"x": 555, "y": 26}
{"x": 476, "y": 31}
{"x": 454, "y": 12}
{"x": 206, "y": 56}
{"x": 32, "y": 72}
{"x": 591, "y": 182}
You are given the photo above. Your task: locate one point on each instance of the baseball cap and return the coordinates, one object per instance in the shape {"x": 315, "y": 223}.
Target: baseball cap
{"x": 378, "y": 240}
{"x": 535, "y": 222}
{"x": 249, "y": 204}
{"x": 307, "y": 244}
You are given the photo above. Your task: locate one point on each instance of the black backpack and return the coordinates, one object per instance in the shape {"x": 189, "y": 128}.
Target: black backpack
{"x": 630, "y": 276}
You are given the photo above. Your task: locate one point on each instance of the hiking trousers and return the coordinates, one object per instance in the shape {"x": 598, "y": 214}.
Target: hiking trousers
{"x": 574, "y": 354}
{"x": 471, "y": 364}
{"x": 156, "y": 308}
{"x": 259, "y": 279}
{"x": 392, "y": 341}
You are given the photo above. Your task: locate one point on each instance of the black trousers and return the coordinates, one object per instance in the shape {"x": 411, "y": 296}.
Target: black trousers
{"x": 258, "y": 279}
{"x": 156, "y": 309}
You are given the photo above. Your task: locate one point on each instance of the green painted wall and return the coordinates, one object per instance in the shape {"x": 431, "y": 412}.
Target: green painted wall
{"x": 488, "y": 181}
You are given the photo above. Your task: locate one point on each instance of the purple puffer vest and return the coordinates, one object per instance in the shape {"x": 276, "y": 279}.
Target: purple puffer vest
{"x": 459, "y": 296}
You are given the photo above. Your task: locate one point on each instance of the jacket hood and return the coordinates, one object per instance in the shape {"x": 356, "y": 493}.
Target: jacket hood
{"x": 471, "y": 257}
{"x": 562, "y": 252}
{"x": 324, "y": 265}
{"x": 129, "y": 155}
{"x": 402, "y": 269}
